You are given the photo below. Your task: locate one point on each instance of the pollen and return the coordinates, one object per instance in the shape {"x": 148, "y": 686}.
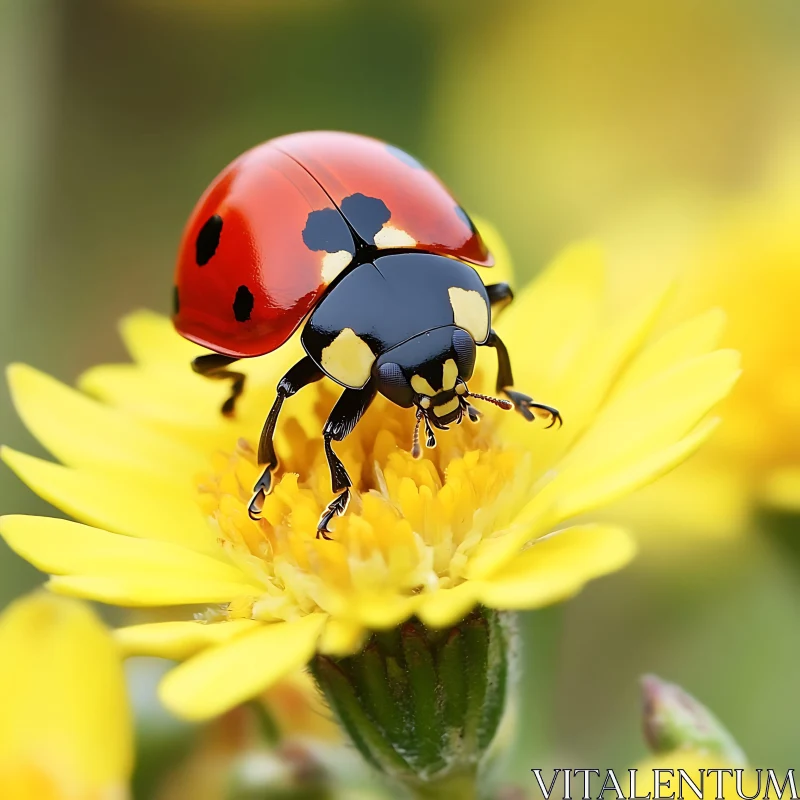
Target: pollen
{"x": 410, "y": 528}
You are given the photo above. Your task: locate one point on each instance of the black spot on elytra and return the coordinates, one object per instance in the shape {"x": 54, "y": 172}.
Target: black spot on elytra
{"x": 366, "y": 214}
{"x": 404, "y": 157}
{"x": 326, "y": 230}
{"x": 176, "y": 301}
{"x": 208, "y": 240}
{"x": 243, "y": 304}
{"x": 464, "y": 217}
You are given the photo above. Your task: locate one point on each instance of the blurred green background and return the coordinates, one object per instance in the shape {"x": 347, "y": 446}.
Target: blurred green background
{"x": 637, "y": 123}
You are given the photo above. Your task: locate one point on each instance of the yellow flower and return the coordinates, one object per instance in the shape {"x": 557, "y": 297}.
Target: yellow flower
{"x": 706, "y": 772}
{"x": 65, "y": 726}
{"x": 752, "y": 269}
{"x": 744, "y": 258}
{"x": 161, "y": 481}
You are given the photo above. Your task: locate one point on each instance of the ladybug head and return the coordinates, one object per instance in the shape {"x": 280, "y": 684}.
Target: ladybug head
{"x": 430, "y": 372}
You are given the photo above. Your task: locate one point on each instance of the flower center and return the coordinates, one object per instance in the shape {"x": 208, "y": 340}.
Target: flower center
{"x": 411, "y": 526}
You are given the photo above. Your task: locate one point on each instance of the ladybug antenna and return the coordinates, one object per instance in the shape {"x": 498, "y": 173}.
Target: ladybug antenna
{"x": 416, "y": 449}
{"x": 506, "y": 405}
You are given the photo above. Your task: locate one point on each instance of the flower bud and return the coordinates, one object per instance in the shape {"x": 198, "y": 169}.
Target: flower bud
{"x": 674, "y": 720}
{"x": 423, "y": 705}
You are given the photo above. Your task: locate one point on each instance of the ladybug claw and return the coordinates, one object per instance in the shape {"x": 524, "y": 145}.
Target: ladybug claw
{"x": 260, "y": 491}
{"x": 336, "y": 507}
{"x": 556, "y": 417}
{"x": 525, "y": 405}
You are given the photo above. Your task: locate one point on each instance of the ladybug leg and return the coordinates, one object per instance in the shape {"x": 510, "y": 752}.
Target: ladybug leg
{"x": 301, "y": 374}
{"x": 505, "y": 380}
{"x": 349, "y": 409}
{"x": 500, "y": 295}
{"x": 215, "y": 365}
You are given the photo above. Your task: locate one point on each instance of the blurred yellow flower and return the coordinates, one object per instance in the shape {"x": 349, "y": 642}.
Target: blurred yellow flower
{"x": 65, "y": 726}
{"x": 745, "y": 258}
{"x": 161, "y": 482}
{"x": 751, "y": 267}
{"x": 713, "y": 777}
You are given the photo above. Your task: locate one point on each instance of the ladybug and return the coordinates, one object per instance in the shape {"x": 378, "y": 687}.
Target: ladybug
{"x": 359, "y": 239}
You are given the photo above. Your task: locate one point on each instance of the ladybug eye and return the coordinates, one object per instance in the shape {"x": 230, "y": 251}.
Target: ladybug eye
{"x": 391, "y": 376}
{"x": 208, "y": 240}
{"x": 393, "y": 384}
{"x": 464, "y": 347}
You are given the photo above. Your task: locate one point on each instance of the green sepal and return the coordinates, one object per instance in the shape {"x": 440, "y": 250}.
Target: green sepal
{"x": 496, "y": 681}
{"x": 349, "y": 709}
{"x": 423, "y": 705}
{"x": 426, "y": 699}
{"x": 452, "y": 676}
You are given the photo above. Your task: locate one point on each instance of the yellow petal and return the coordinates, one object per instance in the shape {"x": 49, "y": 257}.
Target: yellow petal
{"x": 131, "y": 504}
{"x": 179, "y": 640}
{"x": 62, "y": 691}
{"x": 557, "y": 566}
{"x": 536, "y": 319}
{"x": 598, "y": 365}
{"x": 81, "y": 432}
{"x": 175, "y": 403}
{"x": 447, "y": 606}
{"x": 150, "y": 338}
{"x": 492, "y": 554}
{"x": 693, "y": 338}
{"x": 61, "y": 547}
{"x": 385, "y": 611}
{"x": 140, "y": 590}
{"x": 611, "y": 485}
{"x": 172, "y": 394}
{"x": 220, "y": 678}
{"x": 341, "y": 637}
{"x": 549, "y": 508}
{"x": 648, "y": 417}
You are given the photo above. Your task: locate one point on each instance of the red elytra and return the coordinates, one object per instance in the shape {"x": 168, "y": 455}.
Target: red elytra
{"x": 247, "y": 274}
